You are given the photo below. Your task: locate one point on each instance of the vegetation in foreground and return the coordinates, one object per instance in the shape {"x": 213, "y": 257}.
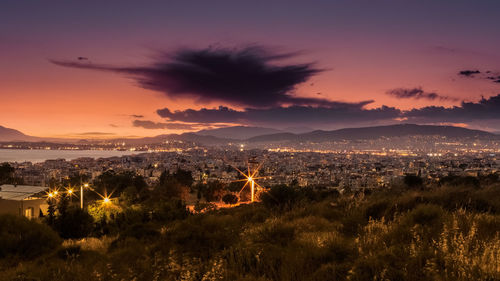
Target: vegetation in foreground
{"x": 448, "y": 231}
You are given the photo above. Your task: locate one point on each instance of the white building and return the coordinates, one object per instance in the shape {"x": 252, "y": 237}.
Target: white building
{"x": 22, "y": 200}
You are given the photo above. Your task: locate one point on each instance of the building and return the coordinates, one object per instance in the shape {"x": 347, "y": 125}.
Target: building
{"x": 22, "y": 200}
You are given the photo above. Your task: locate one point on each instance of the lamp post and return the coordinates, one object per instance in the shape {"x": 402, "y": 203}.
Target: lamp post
{"x": 252, "y": 186}
{"x": 81, "y": 194}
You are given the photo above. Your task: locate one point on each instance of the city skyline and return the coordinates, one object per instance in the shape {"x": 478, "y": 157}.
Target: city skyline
{"x": 85, "y": 70}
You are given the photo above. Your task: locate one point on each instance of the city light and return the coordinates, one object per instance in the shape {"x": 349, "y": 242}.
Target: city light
{"x": 250, "y": 177}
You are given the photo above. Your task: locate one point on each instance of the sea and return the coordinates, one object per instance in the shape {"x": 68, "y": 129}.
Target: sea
{"x": 40, "y": 155}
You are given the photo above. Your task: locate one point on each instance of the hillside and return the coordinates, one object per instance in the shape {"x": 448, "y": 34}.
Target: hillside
{"x": 238, "y": 132}
{"x": 438, "y": 231}
{"x": 8, "y": 134}
{"x": 376, "y": 132}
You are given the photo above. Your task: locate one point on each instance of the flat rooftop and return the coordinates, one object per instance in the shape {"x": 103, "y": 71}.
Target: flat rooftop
{"x": 19, "y": 192}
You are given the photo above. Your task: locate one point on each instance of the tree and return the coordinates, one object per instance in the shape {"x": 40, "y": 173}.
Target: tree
{"x": 51, "y": 212}
{"x": 170, "y": 188}
{"x": 75, "y": 223}
{"x": 281, "y": 197}
{"x": 6, "y": 173}
{"x": 413, "y": 181}
{"x": 24, "y": 238}
{"x": 62, "y": 205}
{"x": 118, "y": 182}
{"x": 230, "y": 198}
{"x": 184, "y": 177}
{"x": 213, "y": 191}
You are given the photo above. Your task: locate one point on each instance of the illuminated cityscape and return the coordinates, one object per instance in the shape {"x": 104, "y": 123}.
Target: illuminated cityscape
{"x": 249, "y": 140}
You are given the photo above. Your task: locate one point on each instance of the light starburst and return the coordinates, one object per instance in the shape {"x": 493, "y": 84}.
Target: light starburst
{"x": 249, "y": 179}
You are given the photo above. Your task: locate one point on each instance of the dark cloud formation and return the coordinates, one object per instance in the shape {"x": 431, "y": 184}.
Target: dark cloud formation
{"x": 220, "y": 115}
{"x": 469, "y": 73}
{"x": 146, "y": 124}
{"x": 252, "y": 76}
{"x": 341, "y": 113}
{"x": 484, "y": 109}
{"x": 495, "y": 79}
{"x": 417, "y": 93}
{"x": 136, "y": 116}
{"x": 488, "y": 75}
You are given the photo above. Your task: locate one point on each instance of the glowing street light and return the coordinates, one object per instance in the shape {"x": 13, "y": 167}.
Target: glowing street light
{"x": 250, "y": 178}
{"x": 81, "y": 194}
{"x": 252, "y": 187}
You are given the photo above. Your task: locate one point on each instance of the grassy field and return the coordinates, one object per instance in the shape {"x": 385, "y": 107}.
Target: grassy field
{"x": 440, "y": 233}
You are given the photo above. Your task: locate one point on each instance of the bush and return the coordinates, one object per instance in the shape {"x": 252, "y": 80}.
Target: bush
{"x": 425, "y": 215}
{"x": 202, "y": 207}
{"x": 170, "y": 210}
{"x": 413, "y": 181}
{"x": 74, "y": 223}
{"x": 377, "y": 210}
{"x": 25, "y": 239}
{"x": 281, "y": 197}
{"x": 230, "y": 199}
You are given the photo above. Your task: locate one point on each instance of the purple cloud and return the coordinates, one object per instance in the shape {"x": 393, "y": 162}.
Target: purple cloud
{"x": 251, "y": 76}
{"x": 417, "y": 93}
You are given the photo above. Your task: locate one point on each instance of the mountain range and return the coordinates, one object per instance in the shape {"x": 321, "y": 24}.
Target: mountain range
{"x": 238, "y": 132}
{"x": 226, "y": 135}
{"x": 375, "y": 132}
{"x": 8, "y": 134}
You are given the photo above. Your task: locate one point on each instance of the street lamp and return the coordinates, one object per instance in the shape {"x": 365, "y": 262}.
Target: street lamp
{"x": 252, "y": 187}
{"x": 81, "y": 194}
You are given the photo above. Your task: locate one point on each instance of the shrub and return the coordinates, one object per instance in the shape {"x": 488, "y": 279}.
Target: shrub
{"x": 377, "y": 210}
{"x": 413, "y": 181}
{"x": 74, "y": 223}
{"x": 273, "y": 231}
{"x": 280, "y": 197}
{"x": 230, "y": 199}
{"x": 26, "y": 239}
{"x": 425, "y": 215}
{"x": 201, "y": 207}
{"x": 170, "y": 210}
{"x": 141, "y": 231}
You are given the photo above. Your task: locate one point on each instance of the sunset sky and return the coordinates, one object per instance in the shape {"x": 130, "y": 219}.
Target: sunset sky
{"x": 143, "y": 68}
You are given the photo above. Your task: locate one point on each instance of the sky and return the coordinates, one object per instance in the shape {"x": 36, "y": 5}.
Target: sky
{"x": 104, "y": 69}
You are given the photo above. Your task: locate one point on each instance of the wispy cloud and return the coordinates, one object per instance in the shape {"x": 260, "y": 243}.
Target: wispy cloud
{"x": 418, "y": 93}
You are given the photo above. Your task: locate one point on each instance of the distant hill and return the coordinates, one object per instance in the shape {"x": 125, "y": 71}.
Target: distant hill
{"x": 298, "y": 130}
{"x": 375, "y": 132}
{"x": 224, "y": 136}
{"x": 238, "y": 132}
{"x": 7, "y": 134}
{"x": 187, "y": 137}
